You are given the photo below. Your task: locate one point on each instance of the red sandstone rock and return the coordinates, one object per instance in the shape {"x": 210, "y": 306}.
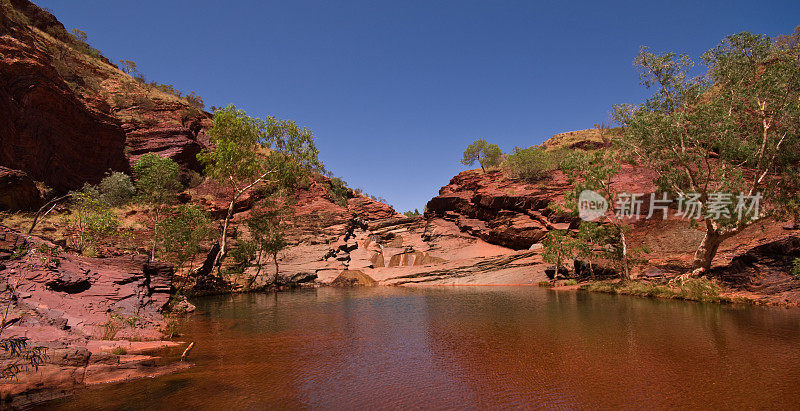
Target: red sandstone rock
{"x": 501, "y": 211}
{"x": 62, "y": 303}
{"x": 17, "y": 191}
{"x": 45, "y": 130}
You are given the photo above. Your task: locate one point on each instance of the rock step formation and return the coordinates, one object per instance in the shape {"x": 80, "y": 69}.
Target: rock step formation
{"x": 67, "y": 303}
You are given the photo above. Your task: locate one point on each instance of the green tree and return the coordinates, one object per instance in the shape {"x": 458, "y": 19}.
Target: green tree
{"x": 80, "y": 35}
{"x": 117, "y": 189}
{"x": 156, "y": 186}
{"x": 412, "y": 213}
{"x": 128, "y": 67}
{"x": 181, "y": 234}
{"x": 731, "y": 131}
{"x": 195, "y": 100}
{"x": 788, "y": 194}
{"x": 266, "y": 230}
{"x": 594, "y": 171}
{"x": 91, "y": 221}
{"x": 487, "y": 155}
{"x": 251, "y": 152}
{"x": 559, "y": 246}
{"x": 594, "y": 240}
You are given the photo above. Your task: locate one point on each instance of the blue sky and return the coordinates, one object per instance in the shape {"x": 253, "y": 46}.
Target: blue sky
{"x": 394, "y": 91}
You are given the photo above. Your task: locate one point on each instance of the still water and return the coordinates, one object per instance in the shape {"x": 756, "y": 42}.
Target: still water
{"x": 471, "y": 347}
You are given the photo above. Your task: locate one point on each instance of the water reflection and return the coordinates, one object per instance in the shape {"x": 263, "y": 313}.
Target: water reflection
{"x": 472, "y": 347}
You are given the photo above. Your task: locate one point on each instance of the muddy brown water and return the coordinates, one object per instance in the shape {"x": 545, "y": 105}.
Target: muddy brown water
{"x": 471, "y": 347}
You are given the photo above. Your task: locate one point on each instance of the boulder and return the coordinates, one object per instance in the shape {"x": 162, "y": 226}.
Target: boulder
{"x": 17, "y": 191}
{"x": 351, "y": 278}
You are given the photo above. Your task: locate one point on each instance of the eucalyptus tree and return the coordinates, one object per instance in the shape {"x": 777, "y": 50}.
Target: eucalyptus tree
{"x": 156, "y": 186}
{"x": 591, "y": 175}
{"x": 266, "y": 226}
{"x": 487, "y": 155}
{"x": 727, "y": 135}
{"x": 250, "y": 153}
{"x": 557, "y": 247}
{"x": 181, "y": 234}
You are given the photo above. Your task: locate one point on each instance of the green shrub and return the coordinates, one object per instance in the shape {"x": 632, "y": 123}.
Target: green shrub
{"x": 412, "y": 213}
{"x": 571, "y": 282}
{"x": 166, "y": 88}
{"x": 144, "y": 102}
{"x": 117, "y": 322}
{"x": 339, "y": 191}
{"x": 700, "y": 289}
{"x": 195, "y": 100}
{"x": 171, "y": 328}
{"x": 545, "y": 284}
{"x": 20, "y": 250}
{"x": 80, "y": 43}
{"x": 694, "y": 289}
{"x": 117, "y": 189}
{"x": 111, "y": 328}
{"x": 188, "y": 114}
{"x": 91, "y": 220}
{"x": 796, "y": 268}
{"x": 181, "y": 234}
{"x": 119, "y": 351}
{"x": 120, "y": 101}
{"x": 533, "y": 163}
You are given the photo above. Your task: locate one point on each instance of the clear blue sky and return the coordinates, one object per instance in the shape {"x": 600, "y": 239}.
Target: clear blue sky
{"x": 394, "y": 90}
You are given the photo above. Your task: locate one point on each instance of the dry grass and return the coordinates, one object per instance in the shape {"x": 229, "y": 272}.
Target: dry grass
{"x": 574, "y": 139}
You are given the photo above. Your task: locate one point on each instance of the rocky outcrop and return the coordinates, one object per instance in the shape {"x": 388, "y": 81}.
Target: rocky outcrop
{"x": 80, "y": 292}
{"x": 68, "y": 117}
{"x": 171, "y": 141}
{"x": 402, "y": 250}
{"x": 68, "y": 304}
{"x": 17, "y": 191}
{"x": 46, "y": 130}
{"x": 765, "y": 270}
{"x": 501, "y": 211}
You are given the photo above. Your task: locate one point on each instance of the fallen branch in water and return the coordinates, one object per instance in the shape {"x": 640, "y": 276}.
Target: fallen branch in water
{"x": 186, "y": 351}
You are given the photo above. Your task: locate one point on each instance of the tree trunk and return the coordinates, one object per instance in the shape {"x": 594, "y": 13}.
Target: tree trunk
{"x": 626, "y": 270}
{"x": 706, "y": 251}
{"x": 156, "y": 220}
{"x": 223, "y": 241}
{"x": 275, "y": 260}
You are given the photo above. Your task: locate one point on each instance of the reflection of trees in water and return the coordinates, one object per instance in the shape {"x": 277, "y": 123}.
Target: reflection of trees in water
{"x": 611, "y": 349}
{"x": 474, "y": 346}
